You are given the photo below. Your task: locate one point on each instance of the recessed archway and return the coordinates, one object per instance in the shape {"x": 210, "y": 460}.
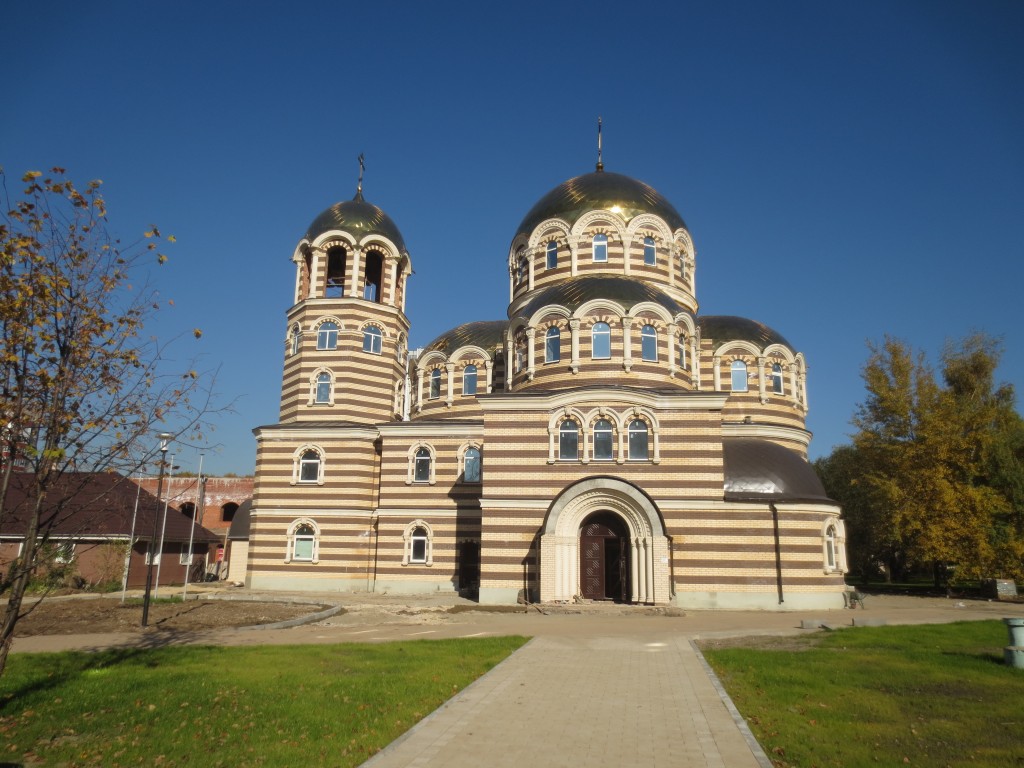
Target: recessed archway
{"x": 648, "y": 551}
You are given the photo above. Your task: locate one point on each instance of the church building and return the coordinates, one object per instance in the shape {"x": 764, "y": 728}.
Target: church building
{"x": 603, "y": 441}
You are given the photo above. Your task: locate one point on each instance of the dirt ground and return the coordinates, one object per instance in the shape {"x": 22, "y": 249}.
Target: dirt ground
{"x": 63, "y": 616}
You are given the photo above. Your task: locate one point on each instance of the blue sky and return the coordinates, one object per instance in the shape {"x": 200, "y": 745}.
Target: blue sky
{"x": 846, "y": 170}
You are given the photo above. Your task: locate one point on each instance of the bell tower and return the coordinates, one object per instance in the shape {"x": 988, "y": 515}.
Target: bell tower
{"x": 346, "y": 339}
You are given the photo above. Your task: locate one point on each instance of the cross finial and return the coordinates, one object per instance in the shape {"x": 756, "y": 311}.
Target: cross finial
{"x": 362, "y": 168}
{"x": 600, "y": 165}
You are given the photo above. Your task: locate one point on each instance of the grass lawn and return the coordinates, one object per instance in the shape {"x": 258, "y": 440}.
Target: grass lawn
{"x": 210, "y": 706}
{"x": 936, "y": 695}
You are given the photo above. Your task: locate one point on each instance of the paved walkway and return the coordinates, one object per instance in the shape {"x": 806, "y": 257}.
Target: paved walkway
{"x": 606, "y": 686}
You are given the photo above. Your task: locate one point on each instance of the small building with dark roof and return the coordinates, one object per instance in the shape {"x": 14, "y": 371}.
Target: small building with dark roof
{"x": 603, "y": 441}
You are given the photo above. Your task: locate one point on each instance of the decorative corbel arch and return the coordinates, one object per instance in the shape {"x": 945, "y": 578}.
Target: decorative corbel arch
{"x": 555, "y": 422}
{"x": 549, "y": 229}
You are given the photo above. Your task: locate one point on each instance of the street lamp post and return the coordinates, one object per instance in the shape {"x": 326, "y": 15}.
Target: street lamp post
{"x": 164, "y": 437}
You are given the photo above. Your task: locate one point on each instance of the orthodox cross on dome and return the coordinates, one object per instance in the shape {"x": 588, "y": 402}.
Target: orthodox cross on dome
{"x": 600, "y": 165}
{"x": 362, "y": 168}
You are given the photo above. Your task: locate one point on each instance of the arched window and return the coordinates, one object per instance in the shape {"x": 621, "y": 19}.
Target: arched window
{"x": 302, "y": 543}
{"x": 310, "y": 466}
{"x": 335, "y": 272}
{"x": 830, "y": 548}
{"x": 372, "y": 338}
{"x": 739, "y": 376}
{"x": 400, "y": 350}
{"x": 419, "y": 544}
{"x": 650, "y": 254}
{"x": 649, "y": 343}
{"x": 421, "y": 468}
{"x": 638, "y": 449}
{"x": 323, "y": 388}
{"x": 188, "y": 509}
{"x": 777, "y": 378}
{"x": 600, "y": 247}
{"x": 374, "y": 276}
{"x": 435, "y": 383}
{"x": 471, "y": 465}
{"x": 522, "y": 271}
{"x": 227, "y": 512}
{"x": 601, "y": 341}
{"x": 603, "y": 440}
{"x": 469, "y": 380}
{"x": 569, "y": 440}
{"x": 552, "y": 255}
{"x": 296, "y": 339}
{"x": 521, "y": 356}
{"x": 327, "y": 335}
{"x": 552, "y": 345}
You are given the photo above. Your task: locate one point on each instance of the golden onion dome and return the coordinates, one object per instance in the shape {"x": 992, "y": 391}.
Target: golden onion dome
{"x": 600, "y": 191}
{"x": 359, "y": 218}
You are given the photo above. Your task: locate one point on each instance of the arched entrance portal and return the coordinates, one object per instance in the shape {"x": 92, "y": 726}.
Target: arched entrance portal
{"x": 604, "y": 558}
{"x": 630, "y": 518}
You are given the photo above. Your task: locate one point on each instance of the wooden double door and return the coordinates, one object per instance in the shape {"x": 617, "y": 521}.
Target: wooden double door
{"x": 604, "y": 558}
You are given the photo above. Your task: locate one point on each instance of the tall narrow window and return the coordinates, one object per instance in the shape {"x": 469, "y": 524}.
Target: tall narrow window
{"x": 682, "y": 351}
{"x": 569, "y": 440}
{"x": 296, "y": 338}
{"x": 302, "y": 542}
{"x": 603, "y": 439}
{"x": 650, "y": 254}
{"x": 523, "y": 271}
{"x": 435, "y": 383}
{"x": 520, "y": 354}
{"x": 600, "y": 247}
{"x": 777, "y": 378}
{"x": 552, "y": 255}
{"x": 601, "y": 341}
{"x": 552, "y": 345}
{"x": 422, "y": 467}
{"x": 638, "y": 450}
{"x": 649, "y": 343}
{"x": 739, "y": 376}
{"x": 471, "y": 462}
{"x": 830, "y": 547}
{"x": 374, "y": 276}
{"x": 327, "y": 336}
{"x": 335, "y": 273}
{"x": 418, "y": 551}
{"x": 372, "y": 339}
{"x": 323, "y": 388}
{"x": 309, "y": 467}
{"x": 469, "y": 380}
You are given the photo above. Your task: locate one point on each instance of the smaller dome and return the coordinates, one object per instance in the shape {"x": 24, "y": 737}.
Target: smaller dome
{"x": 723, "y": 328}
{"x": 486, "y": 334}
{"x": 624, "y": 291}
{"x": 359, "y": 218}
{"x": 600, "y": 191}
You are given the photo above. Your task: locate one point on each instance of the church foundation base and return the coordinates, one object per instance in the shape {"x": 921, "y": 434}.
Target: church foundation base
{"x": 758, "y": 601}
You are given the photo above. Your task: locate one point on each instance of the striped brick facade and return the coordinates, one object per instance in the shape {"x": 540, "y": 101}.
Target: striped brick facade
{"x": 475, "y": 463}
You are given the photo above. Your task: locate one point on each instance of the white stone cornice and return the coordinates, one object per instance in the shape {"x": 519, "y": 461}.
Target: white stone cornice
{"x": 545, "y": 401}
{"x": 770, "y": 431}
{"x": 439, "y": 428}
{"x": 320, "y": 431}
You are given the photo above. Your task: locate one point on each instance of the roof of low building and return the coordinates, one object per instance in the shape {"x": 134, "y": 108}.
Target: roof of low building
{"x": 486, "y": 334}
{"x": 87, "y": 505}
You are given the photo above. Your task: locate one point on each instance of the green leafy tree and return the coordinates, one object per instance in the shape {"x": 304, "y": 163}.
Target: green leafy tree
{"x": 83, "y": 389}
{"x": 931, "y": 469}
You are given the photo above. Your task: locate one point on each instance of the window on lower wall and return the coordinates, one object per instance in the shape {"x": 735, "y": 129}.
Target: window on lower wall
{"x": 638, "y": 443}
{"x": 64, "y": 552}
{"x": 603, "y": 440}
{"x": 569, "y": 441}
{"x": 303, "y": 542}
{"x": 830, "y": 548}
{"x": 471, "y": 465}
{"x": 419, "y": 544}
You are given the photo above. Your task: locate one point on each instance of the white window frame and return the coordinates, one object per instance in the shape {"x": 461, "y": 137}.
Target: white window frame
{"x": 323, "y": 384}
{"x": 373, "y": 340}
{"x": 294, "y": 536}
{"x": 630, "y": 431}
{"x": 463, "y": 463}
{"x": 296, "y": 339}
{"x": 593, "y": 345}
{"x": 610, "y": 433}
{"x": 64, "y": 551}
{"x": 327, "y": 339}
{"x": 650, "y": 252}
{"x": 561, "y": 427}
{"x": 414, "y": 458}
{"x": 649, "y": 335}
{"x": 409, "y": 537}
{"x": 185, "y": 557}
{"x": 553, "y": 334}
{"x": 738, "y": 368}
{"x": 600, "y": 246}
{"x": 298, "y": 463}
